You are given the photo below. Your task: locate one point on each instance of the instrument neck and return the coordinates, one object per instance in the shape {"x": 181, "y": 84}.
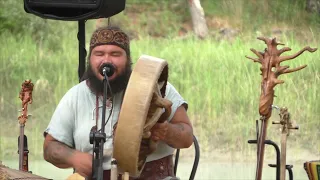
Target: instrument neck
{"x": 23, "y": 152}
{"x": 261, "y": 147}
{"x": 283, "y": 156}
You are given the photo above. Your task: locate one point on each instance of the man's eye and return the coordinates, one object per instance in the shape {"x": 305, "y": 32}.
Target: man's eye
{"x": 98, "y": 54}
{"x": 116, "y": 54}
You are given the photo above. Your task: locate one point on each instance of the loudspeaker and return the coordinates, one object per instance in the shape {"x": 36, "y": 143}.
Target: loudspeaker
{"x": 74, "y": 10}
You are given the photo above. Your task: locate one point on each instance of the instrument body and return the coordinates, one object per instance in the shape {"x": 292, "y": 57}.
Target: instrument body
{"x": 143, "y": 106}
{"x": 26, "y": 97}
{"x": 23, "y": 157}
{"x": 312, "y": 169}
{"x": 287, "y": 124}
{"x": 271, "y": 69}
{"x": 8, "y": 173}
{"x": 23, "y": 172}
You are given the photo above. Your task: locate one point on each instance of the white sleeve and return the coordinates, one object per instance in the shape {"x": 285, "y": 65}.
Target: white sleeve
{"x": 177, "y": 100}
{"x": 62, "y": 121}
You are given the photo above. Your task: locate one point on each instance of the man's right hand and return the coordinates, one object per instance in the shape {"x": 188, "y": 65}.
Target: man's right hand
{"x": 62, "y": 156}
{"x": 82, "y": 163}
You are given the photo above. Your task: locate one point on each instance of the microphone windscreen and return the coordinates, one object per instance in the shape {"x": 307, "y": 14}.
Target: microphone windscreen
{"x": 108, "y": 67}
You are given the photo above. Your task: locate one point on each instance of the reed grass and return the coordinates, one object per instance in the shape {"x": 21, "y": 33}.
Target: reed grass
{"x": 221, "y": 86}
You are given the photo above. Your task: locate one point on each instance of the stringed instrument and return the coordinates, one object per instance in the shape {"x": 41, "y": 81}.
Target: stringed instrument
{"x": 271, "y": 69}
{"x": 287, "y": 124}
{"x": 26, "y": 97}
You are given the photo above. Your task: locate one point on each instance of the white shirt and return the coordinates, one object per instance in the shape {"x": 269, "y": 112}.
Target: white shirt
{"x": 75, "y": 115}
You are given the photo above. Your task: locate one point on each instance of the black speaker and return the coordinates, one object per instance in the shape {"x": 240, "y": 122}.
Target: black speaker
{"x": 74, "y": 10}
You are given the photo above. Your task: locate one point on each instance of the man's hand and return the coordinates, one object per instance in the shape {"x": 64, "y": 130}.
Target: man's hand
{"x": 177, "y": 133}
{"x": 62, "y": 156}
{"x": 82, "y": 163}
{"x": 159, "y": 131}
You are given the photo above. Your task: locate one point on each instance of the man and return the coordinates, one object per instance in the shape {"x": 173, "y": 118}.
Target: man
{"x": 67, "y": 144}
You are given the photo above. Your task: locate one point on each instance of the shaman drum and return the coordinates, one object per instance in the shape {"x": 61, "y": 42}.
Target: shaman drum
{"x": 12, "y": 174}
{"x": 143, "y": 106}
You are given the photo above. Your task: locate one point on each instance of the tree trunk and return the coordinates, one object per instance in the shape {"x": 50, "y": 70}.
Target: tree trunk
{"x": 198, "y": 20}
{"x": 313, "y": 6}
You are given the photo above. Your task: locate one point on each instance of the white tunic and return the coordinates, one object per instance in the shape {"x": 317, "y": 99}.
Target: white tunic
{"x": 75, "y": 115}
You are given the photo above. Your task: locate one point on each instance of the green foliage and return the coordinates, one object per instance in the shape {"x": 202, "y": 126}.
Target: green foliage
{"x": 220, "y": 84}
{"x": 14, "y": 19}
{"x": 262, "y": 15}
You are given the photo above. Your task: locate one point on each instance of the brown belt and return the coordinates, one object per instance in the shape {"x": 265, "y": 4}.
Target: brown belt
{"x": 154, "y": 170}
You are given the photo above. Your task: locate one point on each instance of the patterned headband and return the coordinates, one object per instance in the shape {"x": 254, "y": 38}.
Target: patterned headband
{"x": 111, "y": 36}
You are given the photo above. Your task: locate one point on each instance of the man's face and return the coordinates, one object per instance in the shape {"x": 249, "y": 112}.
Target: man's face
{"x": 108, "y": 54}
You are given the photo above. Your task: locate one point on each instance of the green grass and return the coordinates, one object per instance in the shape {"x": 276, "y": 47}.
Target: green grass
{"x": 213, "y": 75}
{"x": 220, "y": 84}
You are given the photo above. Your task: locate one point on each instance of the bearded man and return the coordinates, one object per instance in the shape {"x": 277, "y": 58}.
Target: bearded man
{"x": 67, "y": 143}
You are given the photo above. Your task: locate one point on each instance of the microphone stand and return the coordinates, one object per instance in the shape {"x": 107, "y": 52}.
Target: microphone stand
{"x": 98, "y": 138}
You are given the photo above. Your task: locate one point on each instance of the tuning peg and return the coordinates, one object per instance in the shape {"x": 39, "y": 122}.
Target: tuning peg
{"x": 276, "y": 122}
{"x": 295, "y": 127}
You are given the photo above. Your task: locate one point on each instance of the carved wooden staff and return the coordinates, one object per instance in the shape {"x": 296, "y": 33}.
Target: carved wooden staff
{"x": 285, "y": 121}
{"x": 270, "y": 67}
{"x": 26, "y": 98}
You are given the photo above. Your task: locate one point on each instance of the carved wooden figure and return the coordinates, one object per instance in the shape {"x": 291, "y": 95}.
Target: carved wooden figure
{"x": 26, "y": 97}
{"x": 271, "y": 69}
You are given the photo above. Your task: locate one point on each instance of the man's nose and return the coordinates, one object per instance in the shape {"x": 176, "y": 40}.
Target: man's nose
{"x": 107, "y": 58}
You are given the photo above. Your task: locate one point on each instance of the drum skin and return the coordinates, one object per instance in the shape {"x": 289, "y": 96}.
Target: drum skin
{"x": 143, "y": 106}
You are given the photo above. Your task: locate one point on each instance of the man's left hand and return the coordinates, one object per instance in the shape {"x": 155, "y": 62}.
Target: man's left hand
{"x": 159, "y": 131}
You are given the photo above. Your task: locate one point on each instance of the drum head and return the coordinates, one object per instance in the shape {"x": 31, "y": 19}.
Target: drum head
{"x": 143, "y": 106}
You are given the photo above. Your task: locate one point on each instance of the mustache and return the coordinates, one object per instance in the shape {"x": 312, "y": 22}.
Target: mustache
{"x": 117, "y": 84}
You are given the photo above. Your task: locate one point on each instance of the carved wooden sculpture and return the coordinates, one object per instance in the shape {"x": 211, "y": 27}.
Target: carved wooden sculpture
{"x": 26, "y": 97}
{"x": 271, "y": 69}
{"x": 7, "y": 173}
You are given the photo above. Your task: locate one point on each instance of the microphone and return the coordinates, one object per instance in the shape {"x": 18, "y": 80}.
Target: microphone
{"x": 107, "y": 68}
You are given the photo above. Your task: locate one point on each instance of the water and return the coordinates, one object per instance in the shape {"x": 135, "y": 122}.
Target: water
{"x": 207, "y": 170}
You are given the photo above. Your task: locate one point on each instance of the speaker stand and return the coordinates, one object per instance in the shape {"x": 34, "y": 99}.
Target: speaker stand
{"x": 82, "y": 48}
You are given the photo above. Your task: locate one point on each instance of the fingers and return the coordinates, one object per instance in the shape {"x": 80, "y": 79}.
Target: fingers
{"x": 146, "y": 134}
{"x": 82, "y": 174}
{"x": 158, "y": 134}
{"x": 155, "y": 138}
{"x": 163, "y": 125}
{"x": 84, "y": 165}
{"x": 159, "y": 131}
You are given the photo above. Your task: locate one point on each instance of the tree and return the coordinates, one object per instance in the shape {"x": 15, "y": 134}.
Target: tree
{"x": 313, "y": 6}
{"x": 198, "y": 19}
